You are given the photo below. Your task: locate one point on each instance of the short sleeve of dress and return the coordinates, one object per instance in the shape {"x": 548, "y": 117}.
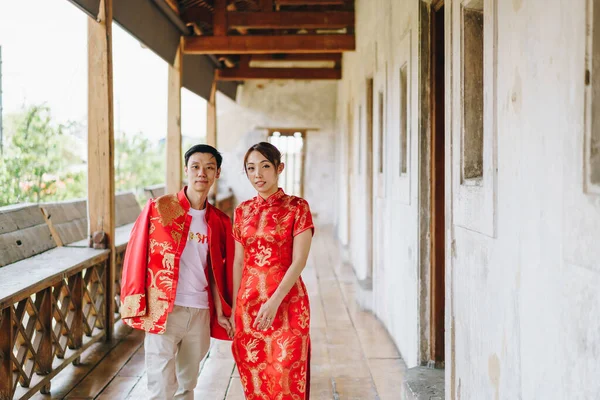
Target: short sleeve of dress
{"x": 237, "y": 225}
{"x": 303, "y": 218}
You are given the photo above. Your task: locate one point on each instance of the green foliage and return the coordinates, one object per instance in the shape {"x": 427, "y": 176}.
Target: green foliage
{"x": 138, "y": 163}
{"x": 43, "y": 161}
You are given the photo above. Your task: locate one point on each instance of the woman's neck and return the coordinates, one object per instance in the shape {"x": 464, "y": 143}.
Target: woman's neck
{"x": 270, "y": 193}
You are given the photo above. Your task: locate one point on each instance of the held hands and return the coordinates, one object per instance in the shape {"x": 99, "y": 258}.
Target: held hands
{"x": 266, "y": 315}
{"x": 226, "y": 324}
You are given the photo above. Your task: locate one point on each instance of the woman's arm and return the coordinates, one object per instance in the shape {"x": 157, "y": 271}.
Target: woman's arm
{"x": 238, "y": 263}
{"x": 268, "y": 310}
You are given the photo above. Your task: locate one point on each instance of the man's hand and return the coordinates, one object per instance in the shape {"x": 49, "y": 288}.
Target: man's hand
{"x": 225, "y": 324}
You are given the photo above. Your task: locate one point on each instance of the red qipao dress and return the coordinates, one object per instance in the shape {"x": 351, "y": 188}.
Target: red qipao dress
{"x": 273, "y": 364}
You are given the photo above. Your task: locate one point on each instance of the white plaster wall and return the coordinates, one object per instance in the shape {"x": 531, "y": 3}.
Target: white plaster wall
{"x": 281, "y": 104}
{"x": 525, "y": 301}
{"x": 523, "y": 274}
{"x": 387, "y": 36}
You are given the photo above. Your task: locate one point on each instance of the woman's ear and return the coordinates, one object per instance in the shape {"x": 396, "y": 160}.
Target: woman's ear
{"x": 280, "y": 168}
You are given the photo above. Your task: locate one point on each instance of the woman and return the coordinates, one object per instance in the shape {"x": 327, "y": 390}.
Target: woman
{"x": 273, "y": 233}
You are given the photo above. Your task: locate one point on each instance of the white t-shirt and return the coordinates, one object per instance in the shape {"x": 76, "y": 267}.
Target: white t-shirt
{"x": 192, "y": 287}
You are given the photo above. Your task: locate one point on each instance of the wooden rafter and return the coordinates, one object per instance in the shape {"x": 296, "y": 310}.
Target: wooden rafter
{"x": 310, "y": 2}
{"x": 242, "y": 73}
{"x": 291, "y": 20}
{"x": 336, "y": 57}
{"x": 220, "y": 18}
{"x": 269, "y": 44}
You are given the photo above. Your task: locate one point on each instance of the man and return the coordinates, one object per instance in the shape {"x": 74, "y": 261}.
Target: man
{"x": 180, "y": 246}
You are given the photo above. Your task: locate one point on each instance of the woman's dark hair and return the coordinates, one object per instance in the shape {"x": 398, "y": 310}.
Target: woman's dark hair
{"x": 269, "y": 151}
{"x": 204, "y": 148}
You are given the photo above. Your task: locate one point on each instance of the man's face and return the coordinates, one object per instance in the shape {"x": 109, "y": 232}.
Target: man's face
{"x": 201, "y": 171}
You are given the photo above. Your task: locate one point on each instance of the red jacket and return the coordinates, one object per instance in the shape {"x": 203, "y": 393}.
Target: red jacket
{"x": 151, "y": 265}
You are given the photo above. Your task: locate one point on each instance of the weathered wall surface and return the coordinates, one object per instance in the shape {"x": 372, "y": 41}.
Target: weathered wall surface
{"x": 523, "y": 242}
{"x": 387, "y": 40}
{"x": 281, "y": 104}
{"x": 525, "y": 294}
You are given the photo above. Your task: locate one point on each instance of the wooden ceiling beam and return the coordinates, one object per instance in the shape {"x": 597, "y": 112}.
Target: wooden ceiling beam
{"x": 243, "y": 73}
{"x": 336, "y": 57}
{"x": 268, "y": 44}
{"x": 196, "y": 15}
{"x": 310, "y": 2}
{"x": 291, "y": 20}
{"x": 220, "y": 18}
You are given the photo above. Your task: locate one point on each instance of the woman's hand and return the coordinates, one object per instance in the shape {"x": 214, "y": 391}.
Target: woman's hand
{"x": 225, "y": 324}
{"x": 266, "y": 314}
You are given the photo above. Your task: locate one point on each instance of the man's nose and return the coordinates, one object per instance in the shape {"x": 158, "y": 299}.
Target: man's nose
{"x": 201, "y": 171}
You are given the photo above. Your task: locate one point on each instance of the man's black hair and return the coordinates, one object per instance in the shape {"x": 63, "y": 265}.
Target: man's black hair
{"x": 204, "y": 148}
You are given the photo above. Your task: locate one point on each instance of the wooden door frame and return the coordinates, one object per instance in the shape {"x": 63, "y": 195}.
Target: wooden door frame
{"x": 437, "y": 205}
{"x": 370, "y": 172}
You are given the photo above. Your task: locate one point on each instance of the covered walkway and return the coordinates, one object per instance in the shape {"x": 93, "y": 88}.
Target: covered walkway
{"x": 353, "y": 356}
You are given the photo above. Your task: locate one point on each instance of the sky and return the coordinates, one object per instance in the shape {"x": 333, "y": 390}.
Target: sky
{"x": 44, "y": 60}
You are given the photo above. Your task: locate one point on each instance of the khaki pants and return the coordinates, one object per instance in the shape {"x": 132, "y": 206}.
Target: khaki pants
{"x": 173, "y": 358}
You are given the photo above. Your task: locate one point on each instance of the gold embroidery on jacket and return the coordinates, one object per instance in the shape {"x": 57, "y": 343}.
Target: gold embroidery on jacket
{"x": 176, "y": 235}
{"x": 131, "y": 305}
{"x": 164, "y": 246}
{"x": 169, "y": 209}
{"x": 157, "y": 307}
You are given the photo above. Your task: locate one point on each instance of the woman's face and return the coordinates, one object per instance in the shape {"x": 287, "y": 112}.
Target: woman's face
{"x": 262, "y": 174}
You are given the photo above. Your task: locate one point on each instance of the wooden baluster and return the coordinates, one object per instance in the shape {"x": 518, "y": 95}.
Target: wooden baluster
{"x": 6, "y": 347}
{"x": 76, "y": 286}
{"x": 44, "y": 351}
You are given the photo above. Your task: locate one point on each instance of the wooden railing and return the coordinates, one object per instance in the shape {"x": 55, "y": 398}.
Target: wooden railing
{"x": 53, "y": 291}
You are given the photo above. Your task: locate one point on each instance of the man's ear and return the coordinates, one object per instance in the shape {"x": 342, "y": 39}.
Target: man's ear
{"x": 280, "y": 168}
{"x": 218, "y": 173}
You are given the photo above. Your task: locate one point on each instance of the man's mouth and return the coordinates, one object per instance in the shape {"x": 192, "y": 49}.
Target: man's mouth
{"x": 260, "y": 183}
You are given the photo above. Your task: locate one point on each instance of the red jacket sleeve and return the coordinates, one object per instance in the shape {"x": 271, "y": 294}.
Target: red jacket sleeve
{"x": 133, "y": 280}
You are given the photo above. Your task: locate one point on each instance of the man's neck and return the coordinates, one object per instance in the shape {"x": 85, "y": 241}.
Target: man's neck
{"x": 197, "y": 199}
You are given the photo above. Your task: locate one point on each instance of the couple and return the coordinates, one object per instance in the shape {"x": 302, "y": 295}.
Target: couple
{"x": 188, "y": 275}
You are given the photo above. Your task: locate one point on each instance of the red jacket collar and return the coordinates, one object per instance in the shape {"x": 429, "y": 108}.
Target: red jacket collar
{"x": 185, "y": 203}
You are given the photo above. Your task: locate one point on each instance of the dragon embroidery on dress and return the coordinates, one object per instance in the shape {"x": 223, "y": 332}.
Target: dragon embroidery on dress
{"x": 263, "y": 257}
{"x": 251, "y": 352}
{"x": 304, "y": 317}
{"x": 284, "y": 346}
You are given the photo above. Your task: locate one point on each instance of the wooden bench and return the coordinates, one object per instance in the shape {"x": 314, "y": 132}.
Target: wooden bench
{"x": 52, "y": 302}
{"x": 69, "y": 222}
{"x": 154, "y": 191}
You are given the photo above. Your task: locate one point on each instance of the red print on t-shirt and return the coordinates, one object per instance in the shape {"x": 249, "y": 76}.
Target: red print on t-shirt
{"x": 198, "y": 237}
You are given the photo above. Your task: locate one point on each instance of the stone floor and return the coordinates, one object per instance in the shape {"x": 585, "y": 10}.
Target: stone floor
{"x": 353, "y": 356}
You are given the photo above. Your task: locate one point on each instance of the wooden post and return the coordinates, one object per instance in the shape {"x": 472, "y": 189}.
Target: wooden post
{"x": 44, "y": 307}
{"x": 101, "y": 146}
{"x": 211, "y": 127}
{"x": 6, "y": 348}
{"x": 76, "y": 286}
{"x": 174, "y": 164}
